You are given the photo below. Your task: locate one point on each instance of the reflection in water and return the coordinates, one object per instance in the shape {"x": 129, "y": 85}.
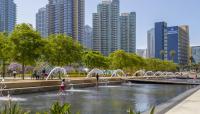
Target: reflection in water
{"x": 106, "y": 100}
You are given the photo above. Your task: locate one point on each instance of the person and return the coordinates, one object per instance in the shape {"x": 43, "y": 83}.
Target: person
{"x": 14, "y": 73}
{"x": 97, "y": 79}
{"x": 62, "y": 86}
{"x": 43, "y": 73}
{"x": 36, "y": 75}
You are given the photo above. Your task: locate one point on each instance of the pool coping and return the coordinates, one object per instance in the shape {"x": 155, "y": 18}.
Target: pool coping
{"x": 165, "y": 107}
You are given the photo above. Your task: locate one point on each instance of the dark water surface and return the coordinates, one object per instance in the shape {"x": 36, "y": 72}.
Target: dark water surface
{"x": 105, "y": 99}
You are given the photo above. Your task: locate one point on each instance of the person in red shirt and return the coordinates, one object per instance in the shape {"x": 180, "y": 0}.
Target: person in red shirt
{"x": 62, "y": 86}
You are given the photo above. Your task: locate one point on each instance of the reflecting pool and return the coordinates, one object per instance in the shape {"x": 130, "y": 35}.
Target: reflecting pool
{"x": 104, "y": 99}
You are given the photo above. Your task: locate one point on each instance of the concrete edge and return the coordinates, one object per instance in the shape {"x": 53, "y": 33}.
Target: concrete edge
{"x": 27, "y": 90}
{"x": 165, "y": 107}
{"x": 160, "y": 82}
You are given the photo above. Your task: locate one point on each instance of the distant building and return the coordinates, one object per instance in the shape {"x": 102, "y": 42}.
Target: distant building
{"x": 161, "y": 40}
{"x": 128, "y": 32}
{"x": 87, "y": 41}
{"x": 178, "y": 41}
{"x": 7, "y": 15}
{"x": 106, "y": 27}
{"x": 151, "y": 43}
{"x": 196, "y": 54}
{"x": 169, "y": 43}
{"x": 41, "y": 21}
{"x": 142, "y": 53}
{"x": 64, "y": 17}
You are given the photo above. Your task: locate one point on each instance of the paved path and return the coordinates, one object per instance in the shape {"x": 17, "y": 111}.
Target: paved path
{"x": 191, "y": 105}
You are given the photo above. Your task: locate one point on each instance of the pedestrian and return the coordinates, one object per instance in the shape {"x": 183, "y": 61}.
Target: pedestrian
{"x": 62, "y": 86}
{"x": 14, "y": 73}
{"x": 36, "y": 75}
{"x": 43, "y": 73}
{"x": 97, "y": 79}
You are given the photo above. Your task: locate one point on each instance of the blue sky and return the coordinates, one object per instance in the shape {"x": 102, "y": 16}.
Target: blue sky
{"x": 174, "y": 12}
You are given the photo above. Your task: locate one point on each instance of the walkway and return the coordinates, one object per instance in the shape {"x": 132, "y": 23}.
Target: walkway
{"x": 191, "y": 105}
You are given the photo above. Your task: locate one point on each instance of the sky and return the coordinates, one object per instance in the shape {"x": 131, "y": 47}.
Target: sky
{"x": 174, "y": 12}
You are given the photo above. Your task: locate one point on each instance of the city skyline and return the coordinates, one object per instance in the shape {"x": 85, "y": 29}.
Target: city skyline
{"x": 147, "y": 14}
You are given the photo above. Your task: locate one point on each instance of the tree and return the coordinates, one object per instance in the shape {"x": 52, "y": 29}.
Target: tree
{"x": 122, "y": 60}
{"x": 27, "y": 45}
{"x": 93, "y": 59}
{"x": 162, "y": 53}
{"x": 172, "y": 54}
{"x": 5, "y": 50}
{"x": 61, "y": 50}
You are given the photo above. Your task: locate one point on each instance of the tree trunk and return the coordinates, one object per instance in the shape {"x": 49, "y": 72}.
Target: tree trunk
{"x": 23, "y": 68}
{"x": 4, "y": 69}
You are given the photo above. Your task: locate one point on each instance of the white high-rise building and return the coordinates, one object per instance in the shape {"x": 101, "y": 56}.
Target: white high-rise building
{"x": 151, "y": 43}
{"x": 142, "y": 53}
{"x": 106, "y": 27}
{"x": 128, "y": 32}
{"x": 87, "y": 41}
{"x": 65, "y": 17}
{"x": 41, "y": 21}
{"x": 7, "y": 15}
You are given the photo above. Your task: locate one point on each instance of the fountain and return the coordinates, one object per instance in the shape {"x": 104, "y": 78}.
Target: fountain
{"x": 101, "y": 73}
{"x": 139, "y": 73}
{"x": 94, "y": 71}
{"x": 57, "y": 70}
{"x": 158, "y": 73}
{"x": 118, "y": 72}
{"x": 149, "y": 73}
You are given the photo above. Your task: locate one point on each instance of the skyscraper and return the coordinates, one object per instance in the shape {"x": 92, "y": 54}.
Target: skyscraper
{"x": 106, "y": 27}
{"x": 41, "y": 21}
{"x": 128, "y": 32}
{"x": 169, "y": 43}
{"x": 7, "y": 15}
{"x": 142, "y": 53}
{"x": 161, "y": 40}
{"x": 151, "y": 43}
{"x": 66, "y": 17}
{"x": 87, "y": 41}
{"x": 196, "y": 54}
{"x": 178, "y": 42}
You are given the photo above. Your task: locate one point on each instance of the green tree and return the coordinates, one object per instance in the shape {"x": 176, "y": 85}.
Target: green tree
{"x": 93, "y": 59}
{"x": 27, "y": 45}
{"x": 122, "y": 60}
{"x": 162, "y": 53}
{"x": 172, "y": 54}
{"x": 61, "y": 50}
{"x": 119, "y": 60}
{"x": 5, "y": 50}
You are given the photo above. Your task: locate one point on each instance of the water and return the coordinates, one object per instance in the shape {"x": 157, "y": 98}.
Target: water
{"x": 105, "y": 99}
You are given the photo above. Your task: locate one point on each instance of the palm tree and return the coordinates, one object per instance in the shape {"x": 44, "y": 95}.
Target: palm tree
{"x": 172, "y": 54}
{"x": 162, "y": 53}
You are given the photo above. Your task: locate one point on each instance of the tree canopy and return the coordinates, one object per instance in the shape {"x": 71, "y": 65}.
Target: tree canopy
{"x": 27, "y": 45}
{"x": 61, "y": 50}
{"x": 93, "y": 59}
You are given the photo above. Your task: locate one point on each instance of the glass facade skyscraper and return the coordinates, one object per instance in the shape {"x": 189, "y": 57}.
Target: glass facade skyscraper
{"x": 161, "y": 40}
{"x": 196, "y": 54}
{"x": 169, "y": 43}
{"x": 178, "y": 41}
{"x": 7, "y": 15}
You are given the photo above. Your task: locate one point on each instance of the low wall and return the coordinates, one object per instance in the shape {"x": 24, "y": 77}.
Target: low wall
{"x": 24, "y": 87}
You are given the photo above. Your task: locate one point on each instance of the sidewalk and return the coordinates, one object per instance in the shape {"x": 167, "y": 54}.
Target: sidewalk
{"x": 191, "y": 105}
